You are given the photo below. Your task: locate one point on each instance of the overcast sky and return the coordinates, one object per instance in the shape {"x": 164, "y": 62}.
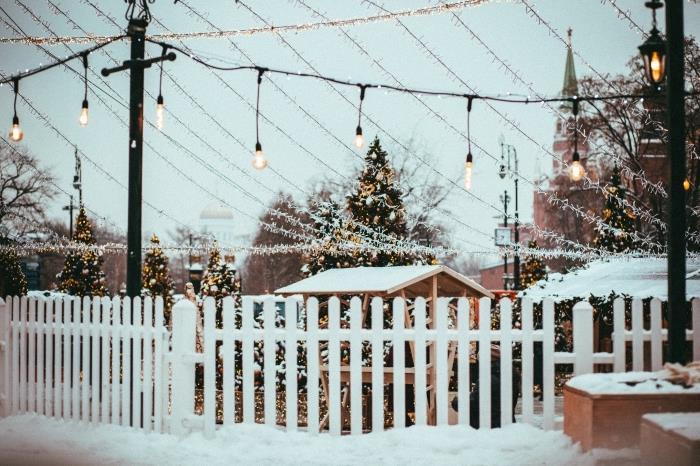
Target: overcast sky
{"x": 295, "y": 144}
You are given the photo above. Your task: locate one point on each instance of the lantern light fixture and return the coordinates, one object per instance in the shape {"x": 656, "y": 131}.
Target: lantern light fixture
{"x": 653, "y": 50}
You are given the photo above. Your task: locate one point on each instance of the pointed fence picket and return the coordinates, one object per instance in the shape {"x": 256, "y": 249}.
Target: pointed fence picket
{"x": 105, "y": 360}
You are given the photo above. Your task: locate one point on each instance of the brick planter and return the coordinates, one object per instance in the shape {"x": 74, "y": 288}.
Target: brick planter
{"x": 613, "y": 420}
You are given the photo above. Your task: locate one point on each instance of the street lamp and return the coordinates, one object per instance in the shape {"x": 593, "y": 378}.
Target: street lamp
{"x": 506, "y": 156}
{"x": 653, "y": 50}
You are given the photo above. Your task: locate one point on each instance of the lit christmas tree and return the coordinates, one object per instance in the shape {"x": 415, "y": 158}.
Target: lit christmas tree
{"x": 616, "y": 216}
{"x": 332, "y": 239}
{"x": 12, "y": 279}
{"x": 156, "y": 278}
{"x": 220, "y": 280}
{"x": 82, "y": 271}
{"x": 378, "y": 204}
{"x": 533, "y": 270}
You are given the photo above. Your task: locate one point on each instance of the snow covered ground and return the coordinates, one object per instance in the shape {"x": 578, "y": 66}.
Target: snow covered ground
{"x": 31, "y": 439}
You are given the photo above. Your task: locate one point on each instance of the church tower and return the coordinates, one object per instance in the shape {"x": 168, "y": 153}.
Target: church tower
{"x": 562, "y": 147}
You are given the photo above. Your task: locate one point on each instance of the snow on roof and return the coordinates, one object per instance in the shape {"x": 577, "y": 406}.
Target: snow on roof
{"x": 382, "y": 280}
{"x": 634, "y": 277}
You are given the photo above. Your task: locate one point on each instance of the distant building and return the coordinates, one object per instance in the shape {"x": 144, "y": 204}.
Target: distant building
{"x": 217, "y": 222}
{"x": 491, "y": 274}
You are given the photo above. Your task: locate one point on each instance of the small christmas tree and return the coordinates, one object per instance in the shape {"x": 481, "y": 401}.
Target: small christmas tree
{"x": 220, "y": 280}
{"x": 617, "y": 216}
{"x": 333, "y": 237}
{"x": 82, "y": 271}
{"x": 156, "y": 278}
{"x": 533, "y": 270}
{"x": 377, "y": 204}
{"x": 12, "y": 279}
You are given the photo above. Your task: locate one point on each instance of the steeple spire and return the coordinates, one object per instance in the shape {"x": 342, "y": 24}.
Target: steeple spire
{"x": 570, "y": 87}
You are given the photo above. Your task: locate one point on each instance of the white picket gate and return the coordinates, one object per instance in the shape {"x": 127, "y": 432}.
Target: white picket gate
{"x": 59, "y": 358}
{"x": 73, "y": 359}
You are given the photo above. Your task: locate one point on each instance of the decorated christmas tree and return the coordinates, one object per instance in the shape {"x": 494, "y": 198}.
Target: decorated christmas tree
{"x": 220, "y": 280}
{"x": 533, "y": 269}
{"x": 12, "y": 279}
{"x": 156, "y": 277}
{"x": 377, "y": 204}
{"x": 617, "y": 216}
{"x": 333, "y": 245}
{"x": 82, "y": 271}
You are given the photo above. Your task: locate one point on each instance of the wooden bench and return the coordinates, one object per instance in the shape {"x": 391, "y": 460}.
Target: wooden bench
{"x": 671, "y": 439}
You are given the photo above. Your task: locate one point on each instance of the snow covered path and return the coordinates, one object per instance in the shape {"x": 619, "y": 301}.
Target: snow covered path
{"x": 31, "y": 439}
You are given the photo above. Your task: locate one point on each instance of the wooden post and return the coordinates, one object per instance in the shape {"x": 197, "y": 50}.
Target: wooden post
{"x": 583, "y": 338}
{"x": 183, "y": 367}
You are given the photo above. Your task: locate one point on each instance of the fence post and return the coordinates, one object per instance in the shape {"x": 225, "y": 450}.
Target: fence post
{"x": 583, "y": 338}
{"x": 5, "y": 351}
{"x": 183, "y": 365}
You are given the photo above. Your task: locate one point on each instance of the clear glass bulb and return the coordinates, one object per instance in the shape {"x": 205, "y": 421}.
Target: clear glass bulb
{"x": 160, "y": 113}
{"x": 259, "y": 160}
{"x": 16, "y": 133}
{"x": 468, "y": 176}
{"x": 359, "y": 141}
{"x": 83, "y": 120}
{"x": 577, "y": 172}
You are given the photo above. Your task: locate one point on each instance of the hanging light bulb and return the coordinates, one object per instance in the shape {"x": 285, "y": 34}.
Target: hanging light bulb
{"x": 259, "y": 160}
{"x": 686, "y": 184}
{"x": 468, "y": 165}
{"x": 16, "y": 133}
{"x": 576, "y": 171}
{"x": 83, "y": 119}
{"x": 160, "y": 112}
{"x": 359, "y": 138}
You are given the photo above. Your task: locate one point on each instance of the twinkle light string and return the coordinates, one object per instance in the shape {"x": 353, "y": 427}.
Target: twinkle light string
{"x": 292, "y": 28}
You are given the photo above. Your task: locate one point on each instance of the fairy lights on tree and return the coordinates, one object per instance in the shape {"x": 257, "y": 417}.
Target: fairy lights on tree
{"x": 156, "y": 277}
{"x": 617, "y": 216}
{"x": 82, "y": 271}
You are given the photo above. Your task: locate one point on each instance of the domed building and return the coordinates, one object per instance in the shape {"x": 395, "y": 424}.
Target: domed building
{"x": 217, "y": 221}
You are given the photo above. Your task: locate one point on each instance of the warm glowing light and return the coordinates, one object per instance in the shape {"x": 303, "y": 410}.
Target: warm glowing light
{"x": 259, "y": 160}
{"x": 577, "y": 171}
{"x": 655, "y": 67}
{"x": 686, "y": 184}
{"x": 160, "y": 112}
{"x": 468, "y": 166}
{"x": 83, "y": 120}
{"x": 359, "y": 139}
{"x": 16, "y": 133}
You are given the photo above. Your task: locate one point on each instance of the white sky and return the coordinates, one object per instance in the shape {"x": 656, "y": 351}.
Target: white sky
{"x": 605, "y": 41}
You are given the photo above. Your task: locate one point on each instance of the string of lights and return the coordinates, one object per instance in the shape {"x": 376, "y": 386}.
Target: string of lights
{"x": 291, "y": 28}
{"x": 461, "y": 95}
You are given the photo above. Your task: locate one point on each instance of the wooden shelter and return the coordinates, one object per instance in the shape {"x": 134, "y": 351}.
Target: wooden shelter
{"x": 428, "y": 281}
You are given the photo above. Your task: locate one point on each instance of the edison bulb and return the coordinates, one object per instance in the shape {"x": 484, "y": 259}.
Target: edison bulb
{"x": 577, "y": 171}
{"x": 359, "y": 139}
{"x": 83, "y": 119}
{"x": 16, "y": 133}
{"x": 160, "y": 112}
{"x": 468, "y": 166}
{"x": 259, "y": 160}
{"x": 686, "y": 184}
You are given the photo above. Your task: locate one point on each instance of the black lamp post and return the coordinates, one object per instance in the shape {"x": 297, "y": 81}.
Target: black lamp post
{"x": 510, "y": 153}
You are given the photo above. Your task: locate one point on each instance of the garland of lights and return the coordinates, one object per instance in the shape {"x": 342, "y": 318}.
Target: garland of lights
{"x": 470, "y": 97}
{"x": 295, "y": 28}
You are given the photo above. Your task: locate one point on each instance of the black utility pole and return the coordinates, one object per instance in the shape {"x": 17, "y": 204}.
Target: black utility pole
{"x": 505, "y": 198}
{"x": 69, "y": 208}
{"x": 136, "y": 66}
{"x": 677, "y": 306}
{"x": 516, "y": 256}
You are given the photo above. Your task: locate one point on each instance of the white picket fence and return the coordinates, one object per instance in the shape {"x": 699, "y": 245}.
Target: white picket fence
{"x": 59, "y": 358}
{"x": 73, "y": 358}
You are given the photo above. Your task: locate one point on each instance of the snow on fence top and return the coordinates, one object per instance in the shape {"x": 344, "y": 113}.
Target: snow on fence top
{"x": 634, "y": 277}
{"x": 413, "y": 280}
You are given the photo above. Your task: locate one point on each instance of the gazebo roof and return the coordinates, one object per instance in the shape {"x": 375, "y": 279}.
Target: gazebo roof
{"x": 413, "y": 280}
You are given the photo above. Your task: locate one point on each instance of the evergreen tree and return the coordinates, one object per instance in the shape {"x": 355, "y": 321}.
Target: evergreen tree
{"x": 12, "y": 279}
{"x": 331, "y": 245}
{"x": 533, "y": 270}
{"x": 82, "y": 271}
{"x": 616, "y": 215}
{"x": 156, "y": 279}
{"x": 378, "y": 204}
{"x": 220, "y": 280}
